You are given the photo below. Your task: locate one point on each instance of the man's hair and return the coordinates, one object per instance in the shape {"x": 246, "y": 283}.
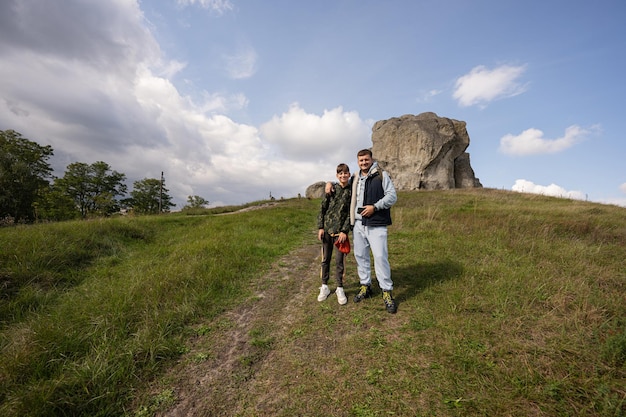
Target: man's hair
{"x": 363, "y": 152}
{"x": 343, "y": 168}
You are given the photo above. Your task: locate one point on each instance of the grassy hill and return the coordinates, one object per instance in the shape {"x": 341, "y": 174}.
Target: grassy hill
{"x": 509, "y": 305}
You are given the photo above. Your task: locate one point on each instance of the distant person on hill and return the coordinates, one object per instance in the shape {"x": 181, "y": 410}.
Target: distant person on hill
{"x": 333, "y": 223}
{"x": 373, "y": 194}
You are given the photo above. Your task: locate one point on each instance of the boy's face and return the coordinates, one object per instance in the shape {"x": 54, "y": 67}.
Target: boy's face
{"x": 343, "y": 177}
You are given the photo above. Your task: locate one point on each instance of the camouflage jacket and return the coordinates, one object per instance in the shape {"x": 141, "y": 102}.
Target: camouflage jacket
{"x": 334, "y": 215}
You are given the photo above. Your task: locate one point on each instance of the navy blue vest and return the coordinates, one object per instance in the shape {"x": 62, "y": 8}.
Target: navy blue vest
{"x": 374, "y": 191}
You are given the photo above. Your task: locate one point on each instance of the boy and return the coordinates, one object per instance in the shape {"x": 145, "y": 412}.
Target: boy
{"x": 333, "y": 223}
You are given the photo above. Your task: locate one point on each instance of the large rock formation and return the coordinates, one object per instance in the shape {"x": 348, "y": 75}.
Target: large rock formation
{"x": 315, "y": 190}
{"x": 424, "y": 152}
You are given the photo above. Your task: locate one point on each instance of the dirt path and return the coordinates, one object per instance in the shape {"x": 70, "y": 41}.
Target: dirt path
{"x": 218, "y": 376}
{"x": 250, "y": 208}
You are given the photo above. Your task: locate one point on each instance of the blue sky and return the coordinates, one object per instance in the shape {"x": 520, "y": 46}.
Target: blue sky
{"x": 237, "y": 99}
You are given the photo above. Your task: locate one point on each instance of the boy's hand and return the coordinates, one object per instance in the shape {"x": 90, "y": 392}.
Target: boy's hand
{"x": 342, "y": 237}
{"x": 320, "y": 234}
{"x": 329, "y": 189}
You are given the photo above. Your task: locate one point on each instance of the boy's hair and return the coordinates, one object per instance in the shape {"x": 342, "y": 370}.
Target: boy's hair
{"x": 364, "y": 152}
{"x": 343, "y": 168}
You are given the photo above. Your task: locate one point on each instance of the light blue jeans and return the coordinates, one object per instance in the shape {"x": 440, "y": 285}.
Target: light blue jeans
{"x": 374, "y": 239}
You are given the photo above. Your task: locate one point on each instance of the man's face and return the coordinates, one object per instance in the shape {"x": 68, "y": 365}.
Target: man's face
{"x": 365, "y": 162}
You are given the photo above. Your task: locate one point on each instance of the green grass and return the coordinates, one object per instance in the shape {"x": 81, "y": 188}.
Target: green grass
{"x": 512, "y": 297}
{"x": 509, "y": 304}
{"x": 90, "y": 309}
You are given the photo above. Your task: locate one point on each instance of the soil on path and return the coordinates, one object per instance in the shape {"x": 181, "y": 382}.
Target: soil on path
{"x": 218, "y": 375}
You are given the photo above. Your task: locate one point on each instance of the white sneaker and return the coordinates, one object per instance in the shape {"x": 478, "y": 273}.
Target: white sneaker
{"x": 341, "y": 296}
{"x": 324, "y": 293}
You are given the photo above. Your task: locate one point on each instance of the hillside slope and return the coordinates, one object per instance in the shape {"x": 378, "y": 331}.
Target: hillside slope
{"x": 508, "y": 305}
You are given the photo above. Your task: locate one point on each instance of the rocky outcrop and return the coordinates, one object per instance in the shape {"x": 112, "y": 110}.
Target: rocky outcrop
{"x": 315, "y": 190}
{"x": 424, "y": 152}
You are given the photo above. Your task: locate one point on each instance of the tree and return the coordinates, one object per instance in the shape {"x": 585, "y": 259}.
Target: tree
{"x": 148, "y": 195}
{"x": 24, "y": 173}
{"x": 93, "y": 188}
{"x": 56, "y": 205}
{"x": 196, "y": 202}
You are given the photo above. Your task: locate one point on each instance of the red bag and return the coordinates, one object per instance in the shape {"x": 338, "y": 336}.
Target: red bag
{"x": 344, "y": 246}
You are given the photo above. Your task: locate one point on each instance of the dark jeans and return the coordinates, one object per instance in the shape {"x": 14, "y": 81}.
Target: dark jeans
{"x": 328, "y": 244}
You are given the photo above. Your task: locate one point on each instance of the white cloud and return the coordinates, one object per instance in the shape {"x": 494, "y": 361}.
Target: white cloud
{"x": 219, "y": 6}
{"x": 334, "y": 135}
{"x": 483, "y": 85}
{"x": 172, "y": 68}
{"x": 102, "y": 101}
{"x": 614, "y": 201}
{"x": 532, "y": 142}
{"x": 524, "y": 186}
{"x": 428, "y": 95}
{"x": 618, "y": 201}
{"x": 241, "y": 65}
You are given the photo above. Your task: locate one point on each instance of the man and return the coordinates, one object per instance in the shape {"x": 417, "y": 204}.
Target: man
{"x": 373, "y": 194}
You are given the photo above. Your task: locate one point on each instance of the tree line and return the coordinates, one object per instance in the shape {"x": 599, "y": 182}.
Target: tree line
{"x": 29, "y": 192}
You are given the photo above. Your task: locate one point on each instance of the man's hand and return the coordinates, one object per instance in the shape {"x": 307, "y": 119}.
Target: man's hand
{"x": 368, "y": 211}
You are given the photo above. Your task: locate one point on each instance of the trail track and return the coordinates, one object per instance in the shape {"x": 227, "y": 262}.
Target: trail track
{"x": 225, "y": 383}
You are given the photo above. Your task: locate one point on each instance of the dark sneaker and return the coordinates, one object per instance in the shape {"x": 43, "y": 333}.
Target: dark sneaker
{"x": 390, "y": 303}
{"x": 364, "y": 292}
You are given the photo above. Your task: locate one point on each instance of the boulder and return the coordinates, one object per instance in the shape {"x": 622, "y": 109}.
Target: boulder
{"x": 424, "y": 152}
{"x": 315, "y": 190}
